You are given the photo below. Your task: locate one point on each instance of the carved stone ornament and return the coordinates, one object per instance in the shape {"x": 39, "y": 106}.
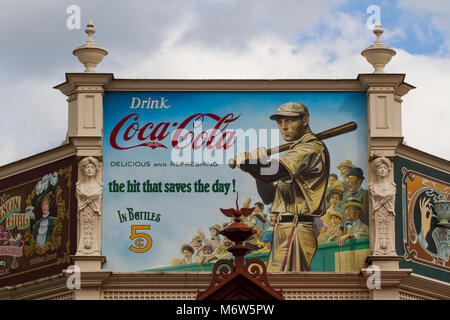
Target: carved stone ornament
{"x": 382, "y": 194}
{"x": 378, "y": 54}
{"x": 89, "y": 194}
{"x": 90, "y": 53}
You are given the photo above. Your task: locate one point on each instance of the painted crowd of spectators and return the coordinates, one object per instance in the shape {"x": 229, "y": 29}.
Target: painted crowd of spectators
{"x": 346, "y": 218}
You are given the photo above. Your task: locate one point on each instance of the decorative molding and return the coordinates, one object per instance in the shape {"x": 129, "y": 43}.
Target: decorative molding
{"x": 425, "y": 288}
{"x": 403, "y": 295}
{"x": 88, "y": 146}
{"x": 94, "y": 279}
{"x": 382, "y": 89}
{"x": 184, "y": 286}
{"x": 387, "y": 80}
{"x": 63, "y": 296}
{"x": 184, "y": 294}
{"x": 38, "y": 289}
{"x": 383, "y": 146}
{"x": 92, "y": 80}
{"x": 89, "y": 89}
{"x": 327, "y": 294}
{"x": 71, "y": 97}
{"x": 233, "y": 85}
{"x": 171, "y": 294}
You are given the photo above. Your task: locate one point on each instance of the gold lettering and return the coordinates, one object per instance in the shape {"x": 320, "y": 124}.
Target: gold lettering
{"x": 138, "y": 103}
{"x": 153, "y": 103}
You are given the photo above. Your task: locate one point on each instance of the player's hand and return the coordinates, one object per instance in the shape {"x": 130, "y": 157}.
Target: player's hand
{"x": 258, "y": 154}
{"x": 252, "y": 156}
{"x": 241, "y": 158}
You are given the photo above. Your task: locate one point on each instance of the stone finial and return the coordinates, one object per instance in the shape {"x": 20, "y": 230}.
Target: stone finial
{"x": 90, "y": 31}
{"x": 378, "y": 54}
{"x": 90, "y": 54}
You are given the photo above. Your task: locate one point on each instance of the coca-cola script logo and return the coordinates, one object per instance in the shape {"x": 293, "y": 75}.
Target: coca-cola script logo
{"x": 129, "y": 133}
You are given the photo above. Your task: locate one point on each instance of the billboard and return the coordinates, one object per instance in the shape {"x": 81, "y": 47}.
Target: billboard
{"x": 37, "y": 228}
{"x": 167, "y": 173}
{"x": 422, "y": 239}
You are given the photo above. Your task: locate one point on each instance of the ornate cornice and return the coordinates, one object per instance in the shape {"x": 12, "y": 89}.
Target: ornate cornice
{"x": 84, "y": 82}
{"x": 233, "y": 85}
{"x": 384, "y": 83}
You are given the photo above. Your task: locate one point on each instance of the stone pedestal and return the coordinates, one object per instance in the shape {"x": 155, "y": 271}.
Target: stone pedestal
{"x": 88, "y": 263}
{"x": 385, "y": 262}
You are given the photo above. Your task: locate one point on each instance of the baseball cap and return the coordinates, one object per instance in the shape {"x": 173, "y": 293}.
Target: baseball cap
{"x": 290, "y": 109}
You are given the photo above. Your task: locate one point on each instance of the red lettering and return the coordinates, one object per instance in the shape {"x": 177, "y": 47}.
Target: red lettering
{"x": 126, "y": 136}
{"x": 228, "y": 142}
{"x": 142, "y": 131}
{"x": 195, "y": 144}
{"x": 149, "y": 133}
{"x": 198, "y": 117}
{"x": 135, "y": 127}
{"x": 162, "y": 135}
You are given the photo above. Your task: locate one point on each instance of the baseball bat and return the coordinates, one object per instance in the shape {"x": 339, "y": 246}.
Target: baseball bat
{"x": 330, "y": 133}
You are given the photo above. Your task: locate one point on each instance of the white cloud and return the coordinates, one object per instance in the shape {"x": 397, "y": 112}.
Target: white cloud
{"x": 226, "y": 39}
{"x": 267, "y": 56}
{"x": 34, "y": 119}
{"x": 270, "y": 57}
{"x": 426, "y": 112}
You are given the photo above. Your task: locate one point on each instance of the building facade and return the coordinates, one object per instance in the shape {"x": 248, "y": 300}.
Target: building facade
{"x": 116, "y": 210}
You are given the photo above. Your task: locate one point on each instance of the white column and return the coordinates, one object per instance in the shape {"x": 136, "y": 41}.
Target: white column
{"x": 85, "y": 132}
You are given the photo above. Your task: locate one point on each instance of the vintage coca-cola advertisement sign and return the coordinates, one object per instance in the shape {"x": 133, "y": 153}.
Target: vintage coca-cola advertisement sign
{"x": 173, "y": 159}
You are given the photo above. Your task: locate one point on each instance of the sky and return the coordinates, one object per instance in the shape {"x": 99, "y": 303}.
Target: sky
{"x": 217, "y": 39}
